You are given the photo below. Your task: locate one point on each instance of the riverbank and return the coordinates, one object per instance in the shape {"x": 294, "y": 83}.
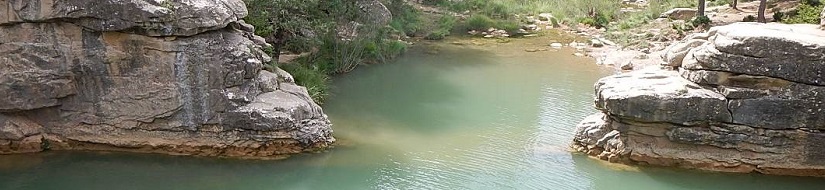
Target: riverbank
{"x": 632, "y": 37}
{"x": 645, "y": 44}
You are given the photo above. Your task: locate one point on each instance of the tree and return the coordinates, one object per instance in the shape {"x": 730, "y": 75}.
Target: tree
{"x": 763, "y": 4}
{"x": 701, "y": 10}
{"x": 293, "y": 25}
{"x": 734, "y": 4}
{"x": 280, "y": 21}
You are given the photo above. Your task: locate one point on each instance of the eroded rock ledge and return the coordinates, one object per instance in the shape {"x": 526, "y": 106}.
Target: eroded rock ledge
{"x": 174, "y": 77}
{"x": 744, "y": 97}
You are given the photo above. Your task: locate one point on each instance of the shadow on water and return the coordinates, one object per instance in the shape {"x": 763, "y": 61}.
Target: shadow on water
{"x": 618, "y": 177}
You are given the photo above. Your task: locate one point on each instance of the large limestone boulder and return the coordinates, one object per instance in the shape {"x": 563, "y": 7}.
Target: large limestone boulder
{"x": 374, "y": 12}
{"x": 791, "y": 52}
{"x": 740, "y": 98}
{"x": 655, "y": 95}
{"x": 200, "y": 91}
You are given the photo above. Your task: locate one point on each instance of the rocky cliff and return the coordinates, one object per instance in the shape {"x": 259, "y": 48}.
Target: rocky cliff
{"x": 164, "y": 76}
{"x": 744, "y": 97}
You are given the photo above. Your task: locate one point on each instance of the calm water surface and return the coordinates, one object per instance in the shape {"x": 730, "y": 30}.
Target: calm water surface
{"x": 441, "y": 117}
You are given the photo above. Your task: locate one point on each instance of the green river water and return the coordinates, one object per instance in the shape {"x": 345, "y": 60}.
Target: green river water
{"x": 464, "y": 117}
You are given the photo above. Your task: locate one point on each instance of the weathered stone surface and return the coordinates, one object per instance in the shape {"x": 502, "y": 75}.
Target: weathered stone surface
{"x": 778, "y": 113}
{"x": 679, "y": 14}
{"x": 791, "y": 52}
{"x": 27, "y": 90}
{"x": 73, "y": 85}
{"x": 596, "y": 136}
{"x": 19, "y": 135}
{"x": 374, "y": 12}
{"x": 147, "y": 17}
{"x": 655, "y": 95}
{"x": 676, "y": 53}
{"x": 716, "y": 147}
{"x": 766, "y": 102}
{"x": 746, "y": 98}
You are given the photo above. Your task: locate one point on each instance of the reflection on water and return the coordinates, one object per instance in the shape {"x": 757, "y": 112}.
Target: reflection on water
{"x": 467, "y": 117}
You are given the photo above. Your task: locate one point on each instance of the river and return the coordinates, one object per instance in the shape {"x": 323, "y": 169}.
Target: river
{"x": 466, "y": 115}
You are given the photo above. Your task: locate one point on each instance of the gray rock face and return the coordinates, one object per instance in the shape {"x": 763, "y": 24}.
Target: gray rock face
{"x": 375, "y": 12}
{"x": 654, "y": 95}
{"x": 742, "y": 98}
{"x": 146, "y": 17}
{"x": 790, "y": 52}
{"x": 201, "y": 91}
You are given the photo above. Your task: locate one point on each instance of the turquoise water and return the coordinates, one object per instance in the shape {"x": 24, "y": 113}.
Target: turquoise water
{"x": 441, "y": 117}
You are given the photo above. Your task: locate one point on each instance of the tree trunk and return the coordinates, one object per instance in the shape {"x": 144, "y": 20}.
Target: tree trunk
{"x": 734, "y": 4}
{"x": 701, "y": 10}
{"x": 279, "y": 44}
{"x": 763, "y": 4}
{"x": 276, "y": 39}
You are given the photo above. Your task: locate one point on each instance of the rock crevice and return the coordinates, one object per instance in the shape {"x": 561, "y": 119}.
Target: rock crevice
{"x": 177, "y": 77}
{"x": 744, "y": 97}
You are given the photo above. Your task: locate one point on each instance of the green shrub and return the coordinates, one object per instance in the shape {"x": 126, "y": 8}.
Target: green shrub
{"x": 437, "y": 35}
{"x": 681, "y": 28}
{"x": 601, "y": 20}
{"x": 598, "y": 20}
{"x": 316, "y": 81}
{"x": 394, "y": 48}
{"x": 508, "y": 25}
{"x": 749, "y": 18}
{"x": 633, "y": 21}
{"x": 480, "y": 22}
{"x": 498, "y": 10}
{"x": 700, "y": 21}
{"x": 811, "y": 2}
{"x": 405, "y": 17}
{"x": 805, "y": 14}
{"x": 778, "y": 16}
{"x": 434, "y": 2}
{"x": 446, "y": 22}
{"x": 444, "y": 25}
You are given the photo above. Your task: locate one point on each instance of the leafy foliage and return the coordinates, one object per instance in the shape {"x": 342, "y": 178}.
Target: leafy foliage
{"x": 313, "y": 26}
{"x": 405, "y": 17}
{"x": 805, "y": 14}
{"x": 598, "y": 20}
{"x": 445, "y": 26}
{"x": 480, "y": 22}
{"x": 700, "y": 21}
{"x": 778, "y": 16}
{"x": 309, "y": 76}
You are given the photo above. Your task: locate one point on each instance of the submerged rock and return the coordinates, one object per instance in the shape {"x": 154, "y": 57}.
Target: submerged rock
{"x": 742, "y": 98}
{"x": 97, "y": 79}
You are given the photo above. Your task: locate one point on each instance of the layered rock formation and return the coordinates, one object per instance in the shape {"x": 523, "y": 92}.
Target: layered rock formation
{"x": 744, "y": 97}
{"x": 173, "y": 76}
